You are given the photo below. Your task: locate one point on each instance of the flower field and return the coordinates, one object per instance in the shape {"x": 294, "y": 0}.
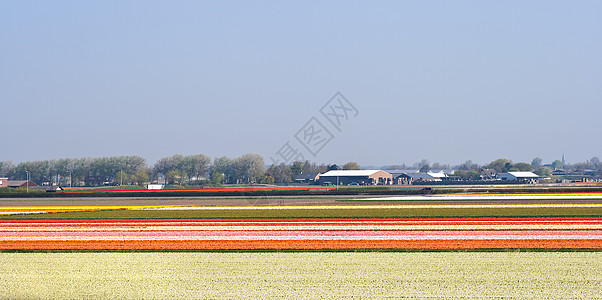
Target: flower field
{"x": 301, "y": 275}
{"x": 321, "y": 234}
{"x": 349, "y": 226}
{"x": 124, "y": 250}
{"x": 19, "y": 210}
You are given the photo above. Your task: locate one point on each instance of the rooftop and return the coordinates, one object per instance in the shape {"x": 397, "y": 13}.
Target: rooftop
{"x": 350, "y": 173}
{"x": 17, "y": 183}
{"x": 307, "y": 176}
{"x": 523, "y": 174}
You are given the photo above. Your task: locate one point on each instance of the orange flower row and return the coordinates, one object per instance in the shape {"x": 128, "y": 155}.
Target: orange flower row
{"x": 306, "y": 244}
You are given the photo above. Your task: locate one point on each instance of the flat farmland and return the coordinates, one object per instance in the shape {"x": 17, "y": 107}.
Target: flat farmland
{"x": 490, "y": 221}
{"x": 301, "y": 275}
{"x": 465, "y": 246}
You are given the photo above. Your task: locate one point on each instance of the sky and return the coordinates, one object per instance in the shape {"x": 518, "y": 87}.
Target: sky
{"x": 446, "y": 81}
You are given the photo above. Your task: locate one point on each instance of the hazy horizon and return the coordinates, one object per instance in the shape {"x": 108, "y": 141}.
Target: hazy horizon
{"x": 409, "y": 165}
{"x": 442, "y": 81}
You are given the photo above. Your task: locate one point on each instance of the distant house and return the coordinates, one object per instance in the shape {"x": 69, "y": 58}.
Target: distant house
{"x": 488, "y": 173}
{"x": 429, "y": 176}
{"x": 440, "y": 174}
{"x": 310, "y": 178}
{"x": 528, "y": 177}
{"x": 3, "y": 182}
{"x": 356, "y": 177}
{"x": 15, "y": 184}
{"x": 403, "y": 177}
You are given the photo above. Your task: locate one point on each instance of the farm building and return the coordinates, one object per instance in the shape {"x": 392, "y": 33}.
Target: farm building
{"x": 409, "y": 176}
{"x": 310, "y": 178}
{"x": 15, "y": 184}
{"x": 401, "y": 177}
{"x": 3, "y": 182}
{"x": 356, "y": 177}
{"x": 519, "y": 176}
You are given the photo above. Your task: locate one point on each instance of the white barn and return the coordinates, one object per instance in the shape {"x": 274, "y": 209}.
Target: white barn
{"x": 519, "y": 176}
{"x": 356, "y": 177}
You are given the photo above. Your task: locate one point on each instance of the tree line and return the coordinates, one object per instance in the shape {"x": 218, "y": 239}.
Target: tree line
{"x": 473, "y": 171}
{"x": 176, "y": 169}
{"x": 181, "y": 169}
{"x": 248, "y": 168}
{"x": 73, "y": 169}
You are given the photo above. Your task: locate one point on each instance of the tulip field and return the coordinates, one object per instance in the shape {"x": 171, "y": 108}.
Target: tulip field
{"x": 314, "y": 227}
{"x": 317, "y": 234}
{"x": 402, "y": 247}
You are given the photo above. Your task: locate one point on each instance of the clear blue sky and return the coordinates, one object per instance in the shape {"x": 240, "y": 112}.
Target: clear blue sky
{"x": 446, "y": 81}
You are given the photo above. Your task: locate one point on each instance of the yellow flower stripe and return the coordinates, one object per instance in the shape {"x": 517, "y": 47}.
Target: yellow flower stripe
{"x": 55, "y": 209}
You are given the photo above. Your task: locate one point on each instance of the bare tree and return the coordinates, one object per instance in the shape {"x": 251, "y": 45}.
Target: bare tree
{"x": 221, "y": 170}
{"x": 351, "y": 166}
{"x": 280, "y": 173}
{"x": 468, "y": 165}
{"x": 6, "y": 168}
{"x": 196, "y": 166}
{"x": 536, "y": 163}
{"x": 249, "y": 167}
{"x": 596, "y": 161}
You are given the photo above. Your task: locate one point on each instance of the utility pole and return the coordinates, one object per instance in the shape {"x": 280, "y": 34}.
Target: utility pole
{"x": 27, "y": 180}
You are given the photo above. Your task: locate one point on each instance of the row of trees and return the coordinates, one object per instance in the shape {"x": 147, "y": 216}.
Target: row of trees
{"x": 287, "y": 173}
{"x": 248, "y": 168}
{"x": 537, "y": 166}
{"x": 191, "y": 169}
{"x": 75, "y": 170}
{"x": 472, "y": 171}
{"x": 423, "y": 166}
{"x": 180, "y": 168}
{"x": 175, "y": 169}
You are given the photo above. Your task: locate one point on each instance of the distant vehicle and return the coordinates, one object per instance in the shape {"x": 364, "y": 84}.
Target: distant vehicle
{"x": 354, "y": 183}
